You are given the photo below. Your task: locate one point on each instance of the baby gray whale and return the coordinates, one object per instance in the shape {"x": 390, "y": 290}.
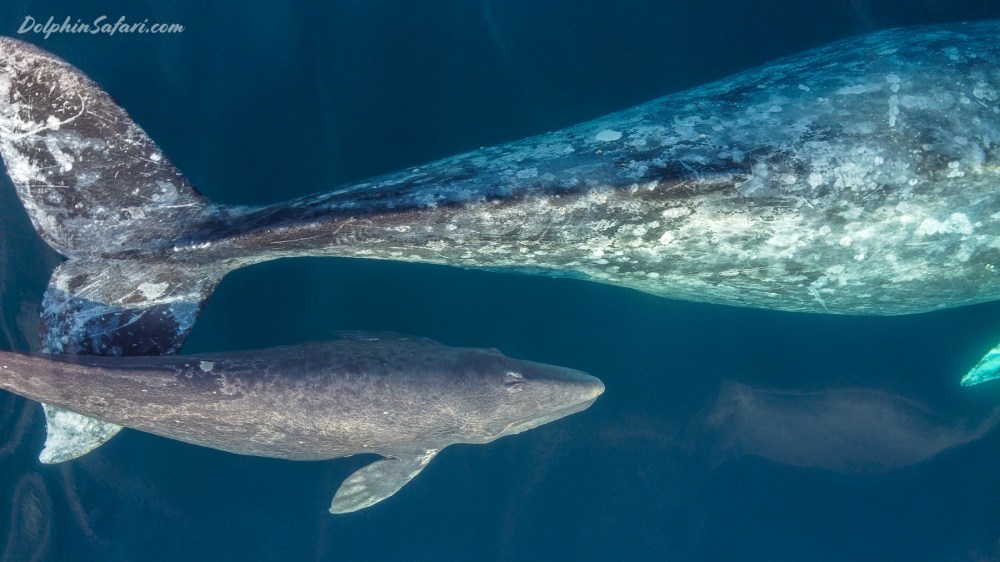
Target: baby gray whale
{"x": 402, "y": 398}
{"x": 857, "y": 178}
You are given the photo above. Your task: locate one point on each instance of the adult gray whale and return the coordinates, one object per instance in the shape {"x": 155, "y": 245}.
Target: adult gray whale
{"x": 857, "y": 178}
{"x": 402, "y": 398}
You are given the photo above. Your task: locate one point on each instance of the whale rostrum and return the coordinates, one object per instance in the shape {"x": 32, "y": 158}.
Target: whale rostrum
{"x": 399, "y": 397}
{"x": 856, "y": 178}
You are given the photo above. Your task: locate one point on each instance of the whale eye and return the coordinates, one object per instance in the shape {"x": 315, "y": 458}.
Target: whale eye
{"x": 512, "y": 378}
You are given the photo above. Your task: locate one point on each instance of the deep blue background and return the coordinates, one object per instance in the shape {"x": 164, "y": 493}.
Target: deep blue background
{"x": 260, "y": 102}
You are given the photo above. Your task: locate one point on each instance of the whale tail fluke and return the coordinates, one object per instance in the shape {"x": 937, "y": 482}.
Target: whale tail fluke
{"x": 987, "y": 369}
{"x": 99, "y": 191}
{"x": 113, "y": 307}
{"x": 90, "y": 179}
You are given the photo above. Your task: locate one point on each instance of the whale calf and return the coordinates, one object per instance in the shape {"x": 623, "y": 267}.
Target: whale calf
{"x": 402, "y": 398}
{"x": 856, "y": 178}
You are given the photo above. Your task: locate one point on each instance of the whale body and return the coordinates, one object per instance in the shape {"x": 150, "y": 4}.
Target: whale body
{"x": 847, "y": 430}
{"x": 402, "y": 398}
{"x": 856, "y": 178}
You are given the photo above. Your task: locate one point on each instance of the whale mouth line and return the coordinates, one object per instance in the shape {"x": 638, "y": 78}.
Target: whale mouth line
{"x": 520, "y": 426}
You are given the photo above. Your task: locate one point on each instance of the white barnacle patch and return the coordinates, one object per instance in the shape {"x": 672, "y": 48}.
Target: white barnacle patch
{"x": 957, "y": 223}
{"x": 893, "y": 80}
{"x": 675, "y": 212}
{"x": 60, "y": 148}
{"x": 402, "y": 228}
{"x": 156, "y": 157}
{"x": 608, "y": 135}
{"x": 858, "y": 89}
{"x": 815, "y": 180}
{"x": 953, "y": 169}
{"x": 984, "y": 92}
{"x": 636, "y": 170}
{"x": 206, "y": 366}
{"x": 167, "y": 194}
{"x": 856, "y": 174}
{"x": 152, "y": 291}
{"x": 639, "y": 230}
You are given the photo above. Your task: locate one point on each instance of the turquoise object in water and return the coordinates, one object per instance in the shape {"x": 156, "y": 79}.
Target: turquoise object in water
{"x": 987, "y": 369}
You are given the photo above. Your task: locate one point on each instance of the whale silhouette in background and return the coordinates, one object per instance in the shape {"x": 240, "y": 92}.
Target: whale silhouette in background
{"x": 857, "y": 178}
{"x": 846, "y": 430}
{"x": 402, "y": 398}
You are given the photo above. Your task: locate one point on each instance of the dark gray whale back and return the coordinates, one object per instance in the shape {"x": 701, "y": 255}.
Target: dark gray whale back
{"x": 402, "y": 398}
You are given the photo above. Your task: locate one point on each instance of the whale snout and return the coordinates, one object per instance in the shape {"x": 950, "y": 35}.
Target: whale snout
{"x": 589, "y": 387}
{"x": 548, "y": 393}
{"x": 596, "y": 386}
{"x": 573, "y": 391}
{"x": 578, "y": 384}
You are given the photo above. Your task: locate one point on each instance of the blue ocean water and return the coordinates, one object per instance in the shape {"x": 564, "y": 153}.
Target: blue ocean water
{"x": 724, "y": 433}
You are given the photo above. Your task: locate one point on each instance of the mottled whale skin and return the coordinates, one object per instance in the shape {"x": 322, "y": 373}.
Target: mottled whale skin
{"x": 856, "y": 178}
{"x": 402, "y": 398}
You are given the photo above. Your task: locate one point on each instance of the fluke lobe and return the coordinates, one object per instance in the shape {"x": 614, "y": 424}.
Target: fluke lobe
{"x": 402, "y": 398}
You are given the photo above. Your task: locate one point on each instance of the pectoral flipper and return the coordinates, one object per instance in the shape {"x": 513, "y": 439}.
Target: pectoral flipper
{"x": 377, "y": 481}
